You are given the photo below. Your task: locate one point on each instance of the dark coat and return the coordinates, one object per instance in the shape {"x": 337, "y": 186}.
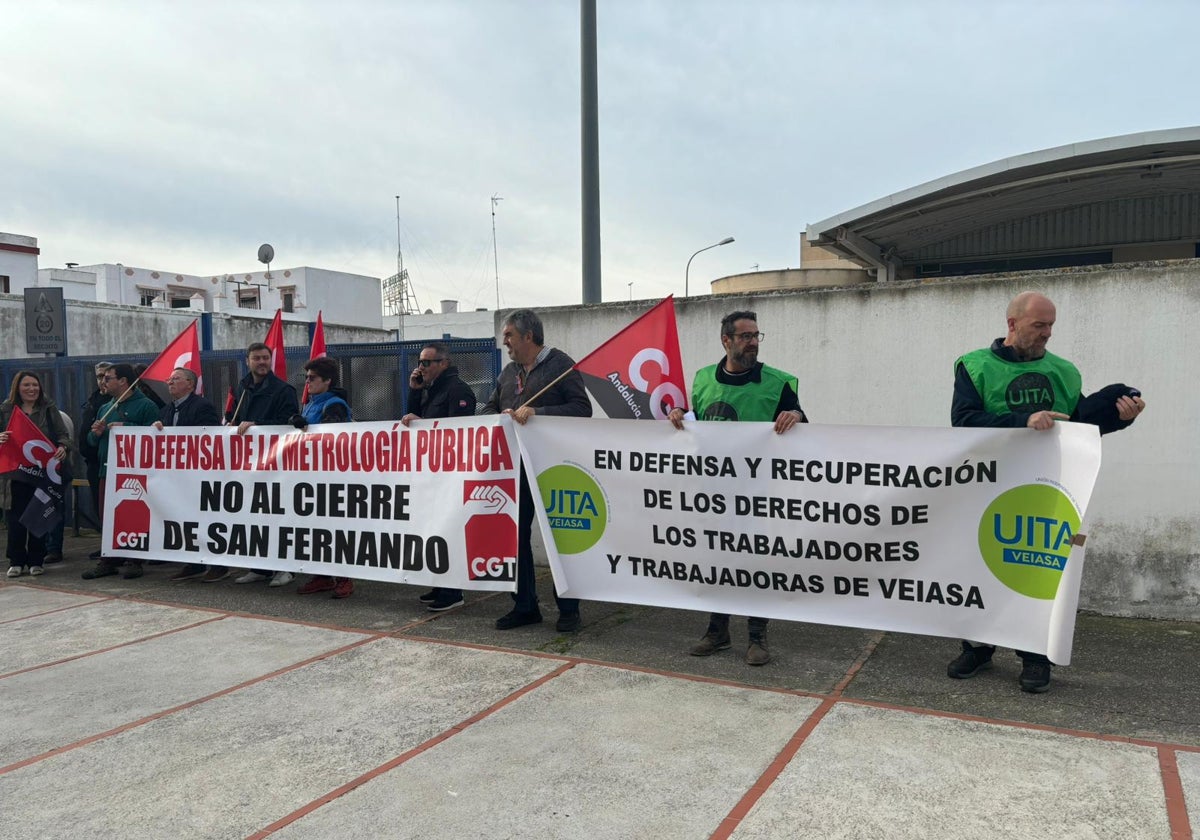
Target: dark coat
{"x": 446, "y": 396}
{"x": 194, "y": 411}
{"x": 567, "y": 398}
{"x": 270, "y": 403}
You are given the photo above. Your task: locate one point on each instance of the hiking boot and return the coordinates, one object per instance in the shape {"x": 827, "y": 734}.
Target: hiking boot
{"x": 319, "y": 583}
{"x": 568, "y": 622}
{"x": 101, "y": 569}
{"x": 1035, "y": 676}
{"x": 342, "y": 588}
{"x": 713, "y": 641}
{"x": 757, "y": 653}
{"x": 514, "y": 619}
{"x": 428, "y": 597}
{"x": 970, "y": 662}
{"x": 132, "y": 570}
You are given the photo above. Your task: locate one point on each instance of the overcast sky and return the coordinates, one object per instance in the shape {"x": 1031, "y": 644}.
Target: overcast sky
{"x": 181, "y": 136}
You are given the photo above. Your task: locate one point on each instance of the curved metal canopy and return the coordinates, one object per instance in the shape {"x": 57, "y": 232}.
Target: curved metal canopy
{"x": 1072, "y": 202}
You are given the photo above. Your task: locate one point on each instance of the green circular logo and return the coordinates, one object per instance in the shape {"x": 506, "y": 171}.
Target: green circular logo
{"x": 1025, "y": 538}
{"x": 574, "y": 506}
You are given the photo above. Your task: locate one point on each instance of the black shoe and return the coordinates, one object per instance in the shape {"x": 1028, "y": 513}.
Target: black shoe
{"x": 568, "y": 622}
{"x": 429, "y": 597}
{"x": 970, "y": 662}
{"x": 1035, "y": 676}
{"x": 100, "y": 570}
{"x": 443, "y": 604}
{"x": 518, "y": 619}
{"x": 95, "y": 555}
{"x": 134, "y": 571}
{"x": 52, "y": 557}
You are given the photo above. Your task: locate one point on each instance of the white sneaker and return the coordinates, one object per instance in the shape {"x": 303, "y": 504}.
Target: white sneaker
{"x": 250, "y": 577}
{"x": 281, "y": 579}
{"x": 14, "y": 571}
{"x": 36, "y": 570}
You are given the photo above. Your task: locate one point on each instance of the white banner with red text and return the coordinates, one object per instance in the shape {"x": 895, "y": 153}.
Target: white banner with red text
{"x": 431, "y": 504}
{"x": 965, "y": 533}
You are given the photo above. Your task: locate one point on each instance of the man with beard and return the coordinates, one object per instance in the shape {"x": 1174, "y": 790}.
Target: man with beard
{"x": 1015, "y": 383}
{"x": 739, "y": 387}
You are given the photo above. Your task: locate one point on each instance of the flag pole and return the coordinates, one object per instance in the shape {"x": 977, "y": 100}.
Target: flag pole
{"x": 558, "y": 379}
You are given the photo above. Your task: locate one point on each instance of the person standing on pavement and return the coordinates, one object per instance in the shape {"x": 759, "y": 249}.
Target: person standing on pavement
{"x": 262, "y": 399}
{"x": 91, "y": 455}
{"x": 435, "y": 390}
{"x": 128, "y": 406}
{"x": 1015, "y": 383}
{"x": 187, "y": 408}
{"x": 519, "y": 393}
{"x": 327, "y": 403}
{"x": 27, "y": 552}
{"x": 741, "y": 388}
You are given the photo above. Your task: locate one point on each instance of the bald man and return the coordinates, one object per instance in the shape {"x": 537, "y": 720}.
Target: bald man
{"x": 1015, "y": 383}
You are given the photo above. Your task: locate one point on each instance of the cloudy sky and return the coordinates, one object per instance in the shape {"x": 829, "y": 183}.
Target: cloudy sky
{"x": 181, "y": 136}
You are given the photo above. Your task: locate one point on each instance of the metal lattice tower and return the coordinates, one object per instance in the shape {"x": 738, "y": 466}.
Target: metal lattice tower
{"x": 398, "y": 297}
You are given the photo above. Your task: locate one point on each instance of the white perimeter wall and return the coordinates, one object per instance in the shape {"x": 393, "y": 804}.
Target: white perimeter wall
{"x": 884, "y": 355}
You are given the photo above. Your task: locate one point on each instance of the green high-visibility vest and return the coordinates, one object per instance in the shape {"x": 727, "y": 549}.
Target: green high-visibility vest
{"x": 713, "y": 400}
{"x": 1050, "y": 383}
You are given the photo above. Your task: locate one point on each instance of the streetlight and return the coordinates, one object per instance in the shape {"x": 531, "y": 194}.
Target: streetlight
{"x": 630, "y": 285}
{"x": 724, "y": 241}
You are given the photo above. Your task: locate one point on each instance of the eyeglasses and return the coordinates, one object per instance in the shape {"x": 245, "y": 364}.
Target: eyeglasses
{"x": 428, "y": 362}
{"x": 309, "y": 377}
{"x": 748, "y": 336}
{"x": 110, "y": 378}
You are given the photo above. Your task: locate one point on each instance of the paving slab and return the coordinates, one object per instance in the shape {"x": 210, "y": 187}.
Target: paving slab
{"x": 91, "y": 626}
{"x": 594, "y": 753}
{"x": 1189, "y": 775}
{"x": 231, "y": 766}
{"x": 58, "y": 705}
{"x": 20, "y": 601}
{"x": 871, "y": 773}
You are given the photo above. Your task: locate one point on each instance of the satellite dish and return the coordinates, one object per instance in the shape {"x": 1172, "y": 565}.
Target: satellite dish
{"x": 266, "y": 254}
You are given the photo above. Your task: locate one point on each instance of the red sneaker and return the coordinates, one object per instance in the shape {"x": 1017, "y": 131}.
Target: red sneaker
{"x": 319, "y": 583}
{"x": 343, "y": 588}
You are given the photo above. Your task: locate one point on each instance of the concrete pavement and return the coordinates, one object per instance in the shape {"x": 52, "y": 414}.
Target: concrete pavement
{"x": 149, "y": 709}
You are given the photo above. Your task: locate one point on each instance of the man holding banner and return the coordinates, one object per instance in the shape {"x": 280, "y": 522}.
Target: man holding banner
{"x": 739, "y": 387}
{"x": 1015, "y": 383}
{"x": 540, "y": 380}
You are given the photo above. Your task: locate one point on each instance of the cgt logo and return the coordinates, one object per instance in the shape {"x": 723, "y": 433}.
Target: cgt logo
{"x": 131, "y": 514}
{"x": 1025, "y": 537}
{"x": 575, "y": 506}
{"x": 491, "y": 531}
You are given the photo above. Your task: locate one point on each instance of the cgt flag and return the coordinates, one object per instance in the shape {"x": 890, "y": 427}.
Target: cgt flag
{"x": 183, "y": 352}
{"x": 318, "y": 350}
{"x": 28, "y": 456}
{"x": 638, "y": 373}
{"x": 274, "y": 342}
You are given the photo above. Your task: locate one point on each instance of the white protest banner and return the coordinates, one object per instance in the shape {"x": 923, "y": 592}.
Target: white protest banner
{"x": 949, "y": 532}
{"x": 432, "y": 504}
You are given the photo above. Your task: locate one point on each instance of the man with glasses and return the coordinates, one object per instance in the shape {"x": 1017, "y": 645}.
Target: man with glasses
{"x": 740, "y": 387}
{"x": 540, "y": 380}
{"x": 435, "y": 390}
{"x": 187, "y": 408}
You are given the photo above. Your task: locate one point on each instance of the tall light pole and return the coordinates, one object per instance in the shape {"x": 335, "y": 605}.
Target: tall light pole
{"x": 495, "y": 253}
{"x": 724, "y": 241}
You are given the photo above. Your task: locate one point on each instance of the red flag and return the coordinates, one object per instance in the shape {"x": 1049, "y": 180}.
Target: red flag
{"x": 638, "y": 373}
{"x": 229, "y": 403}
{"x": 318, "y": 350}
{"x": 183, "y": 352}
{"x": 26, "y": 445}
{"x": 274, "y": 342}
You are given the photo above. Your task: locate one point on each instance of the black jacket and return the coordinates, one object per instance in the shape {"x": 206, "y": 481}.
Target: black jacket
{"x": 446, "y": 396}
{"x": 270, "y": 403}
{"x": 568, "y": 397}
{"x": 194, "y": 411}
{"x": 91, "y": 408}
